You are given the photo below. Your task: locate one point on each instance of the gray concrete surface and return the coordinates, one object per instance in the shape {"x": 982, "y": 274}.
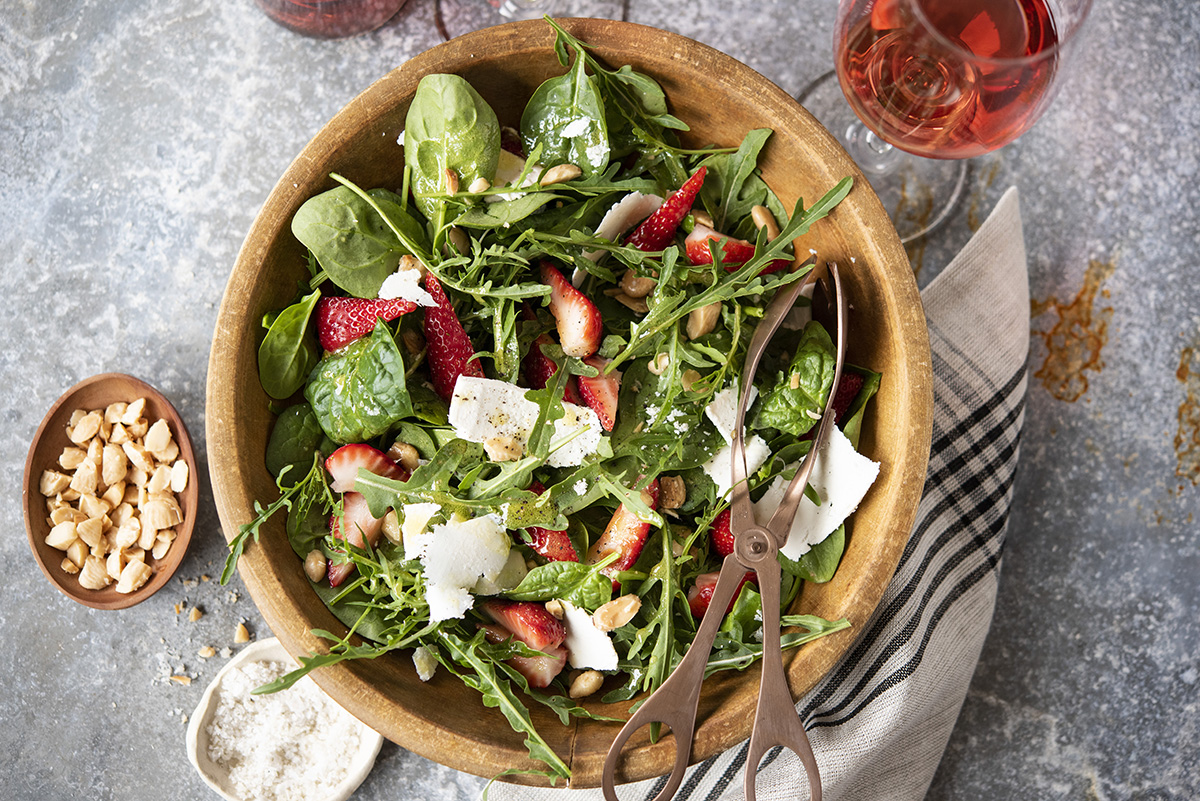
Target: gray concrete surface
{"x": 138, "y": 139}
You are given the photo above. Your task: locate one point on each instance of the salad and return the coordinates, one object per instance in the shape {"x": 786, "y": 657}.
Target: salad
{"x": 506, "y": 397}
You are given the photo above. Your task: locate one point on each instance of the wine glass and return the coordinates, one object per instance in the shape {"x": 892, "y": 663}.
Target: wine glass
{"x": 927, "y": 84}
{"x": 330, "y": 19}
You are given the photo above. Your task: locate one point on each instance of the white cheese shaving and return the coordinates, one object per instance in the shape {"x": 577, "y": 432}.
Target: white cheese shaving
{"x": 456, "y": 555}
{"x": 720, "y": 467}
{"x": 484, "y": 408}
{"x": 587, "y": 646}
{"x": 416, "y": 520}
{"x": 574, "y": 128}
{"x": 624, "y": 214}
{"x": 722, "y": 410}
{"x": 508, "y": 169}
{"x": 841, "y": 477}
{"x": 406, "y": 284}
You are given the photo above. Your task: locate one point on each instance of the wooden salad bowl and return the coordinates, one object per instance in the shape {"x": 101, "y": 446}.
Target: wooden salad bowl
{"x": 721, "y": 99}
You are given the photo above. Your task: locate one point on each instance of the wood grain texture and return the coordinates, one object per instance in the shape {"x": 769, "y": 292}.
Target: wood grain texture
{"x": 48, "y": 443}
{"x": 720, "y": 99}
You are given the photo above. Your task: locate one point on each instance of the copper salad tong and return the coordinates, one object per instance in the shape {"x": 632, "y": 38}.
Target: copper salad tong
{"x": 675, "y": 702}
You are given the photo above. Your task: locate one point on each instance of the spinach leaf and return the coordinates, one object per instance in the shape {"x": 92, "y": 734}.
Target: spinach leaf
{"x": 795, "y": 403}
{"x": 354, "y": 237}
{"x": 821, "y": 561}
{"x": 448, "y": 127}
{"x": 583, "y": 585}
{"x": 852, "y": 427}
{"x": 289, "y": 350}
{"x": 566, "y": 117}
{"x": 294, "y": 438}
{"x": 358, "y": 392}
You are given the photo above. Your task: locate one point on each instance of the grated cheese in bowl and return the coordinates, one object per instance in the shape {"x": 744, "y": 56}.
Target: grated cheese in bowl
{"x": 293, "y": 745}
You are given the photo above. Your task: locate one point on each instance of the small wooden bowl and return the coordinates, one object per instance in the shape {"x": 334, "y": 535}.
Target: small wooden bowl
{"x": 98, "y": 392}
{"x": 721, "y": 99}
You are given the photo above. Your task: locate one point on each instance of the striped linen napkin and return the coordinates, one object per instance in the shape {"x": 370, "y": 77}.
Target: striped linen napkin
{"x": 881, "y": 719}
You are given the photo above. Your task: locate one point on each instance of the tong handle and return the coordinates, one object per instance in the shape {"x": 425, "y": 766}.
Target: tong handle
{"x": 776, "y": 721}
{"x": 677, "y": 699}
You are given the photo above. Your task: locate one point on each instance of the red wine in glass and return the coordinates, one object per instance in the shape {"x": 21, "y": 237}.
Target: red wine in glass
{"x": 330, "y": 19}
{"x": 947, "y": 79}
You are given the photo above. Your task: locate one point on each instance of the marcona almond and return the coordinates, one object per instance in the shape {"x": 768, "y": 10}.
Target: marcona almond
{"x": 404, "y": 455}
{"x": 763, "y": 218}
{"x": 559, "y": 173}
{"x": 637, "y": 286}
{"x": 241, "y": 633}
{"x": 586, "y": 683}
{"x": 674, "y": 492}
{"x": 503, "y": 449}
{"x": 617, "y": 612}
{"x": 480, "y": 184}
{"x": 314, "y": 565}
{"x": 703, "y": 320}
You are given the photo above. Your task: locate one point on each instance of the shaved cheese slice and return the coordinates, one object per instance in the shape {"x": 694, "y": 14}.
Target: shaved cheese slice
{"x": 587, "y": 646}
{"x": 841, "y": 476}
{"x": 723, "y": 409}
{"x": 720, "y": 467}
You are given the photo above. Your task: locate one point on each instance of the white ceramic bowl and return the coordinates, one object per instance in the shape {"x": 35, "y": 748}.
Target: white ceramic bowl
{"x": 216, "y": 776}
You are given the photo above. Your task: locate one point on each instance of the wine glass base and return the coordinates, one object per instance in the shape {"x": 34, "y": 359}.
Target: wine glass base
{"x": 918, "y": 193}
{"x": 457, "y": 17}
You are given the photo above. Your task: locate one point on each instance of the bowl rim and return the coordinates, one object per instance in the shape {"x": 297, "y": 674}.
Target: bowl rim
{"x": 344, "y": 681}
{"x": 108, "y": 598}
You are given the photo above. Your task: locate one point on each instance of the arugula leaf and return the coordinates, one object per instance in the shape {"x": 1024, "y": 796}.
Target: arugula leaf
{"x": 358, "y": 392}
{"x": 497, "y": 693}
{"x": 794, "y": 404}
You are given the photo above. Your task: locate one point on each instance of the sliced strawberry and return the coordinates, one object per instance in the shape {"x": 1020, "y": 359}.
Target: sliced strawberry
{"x": 340, "y": 321}
{"x": 700, "y": 595}
{"x": 734, "y": 253}
{"x": 721, "y": 536}
{"x": 553, "y": 545}
{"x": 449, "y": 349}
{"x": 539, "y": 671}
{"x": 600, "y": 392}
{"x": 540, "y": 368}
{"x": 356, "y": 526}
{"x": 529, "y": 622}
{"x": 577, "y": 318}
{"x": 657, "y": 230}
{"x": 625, "y": 535}
{"x": 344, "y": 463}
{"x": 847, "y": 391}
{"x": 510, "y": 140}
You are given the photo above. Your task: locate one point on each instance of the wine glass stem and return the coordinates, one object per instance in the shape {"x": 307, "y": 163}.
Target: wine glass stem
{"x": 872, "y": 154}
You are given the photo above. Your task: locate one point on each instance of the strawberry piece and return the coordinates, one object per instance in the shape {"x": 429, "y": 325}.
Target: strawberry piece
{"x": 625, "y": 535}
{"x": 356, "y": 526}
{"x": 539, "y": 369}
{"x": 344, "y": 463}
{"x": 529, "y": 622}
{"x": 539, "y": 671}
{"x": 847, "y": 391}
{"x": 734, "y": 253}
{"x": 600, "y": 392}
{"x": 720, "y": 533}
{"x": 553, "y": 545}
{"x": 510, "y": 140}
{"x": 657, "y": 230}
{"x": 577, "y": 318}
{"x": 449, "y": 349}
{"x": 700, "y": 595}
{"x": 340, "y": 321}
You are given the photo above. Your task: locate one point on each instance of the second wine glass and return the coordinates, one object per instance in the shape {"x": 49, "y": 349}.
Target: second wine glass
{"x": 941, "y": 80}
